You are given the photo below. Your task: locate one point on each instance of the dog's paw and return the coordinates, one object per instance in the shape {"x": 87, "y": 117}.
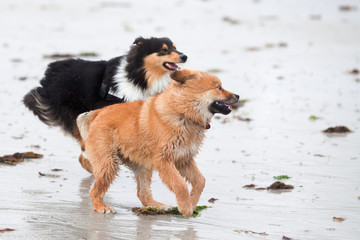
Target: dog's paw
{"x": 104, "y": 209}
{"x": 194, "y": 202}
{"x": 160, "y": 206}
{"x": 186, "y": 209}
{"x": 186, "y": 212}
{"x": 164, "y": 207}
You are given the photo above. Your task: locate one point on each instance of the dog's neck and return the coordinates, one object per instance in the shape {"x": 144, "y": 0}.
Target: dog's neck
{"x": 129, "y": 91}
{"x": 175, "y": 112}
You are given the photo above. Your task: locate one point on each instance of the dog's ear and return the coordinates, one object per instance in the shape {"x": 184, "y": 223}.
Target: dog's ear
{"x": 139, "y": 40}
{"x": 182, "y": 75}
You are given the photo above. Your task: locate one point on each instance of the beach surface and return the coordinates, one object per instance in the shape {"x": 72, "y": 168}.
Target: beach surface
{"x": 295, "y": 63}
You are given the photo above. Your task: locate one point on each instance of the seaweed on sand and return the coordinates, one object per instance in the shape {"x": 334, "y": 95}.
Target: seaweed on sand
{"x": 18, "y": 157}
{"x": 173, "y": 211}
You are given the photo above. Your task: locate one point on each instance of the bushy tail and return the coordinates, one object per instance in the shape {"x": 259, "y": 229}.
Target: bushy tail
{"x": 50, "y": 111}
{"x": 38, "y": 105}
{"x": 83, "y": 122}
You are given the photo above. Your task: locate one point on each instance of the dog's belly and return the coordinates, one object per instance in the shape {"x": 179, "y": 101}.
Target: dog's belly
{"x": 134, "y": 156}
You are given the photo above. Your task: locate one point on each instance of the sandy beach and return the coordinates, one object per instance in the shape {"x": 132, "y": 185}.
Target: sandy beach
{"x": 295, "y": 63}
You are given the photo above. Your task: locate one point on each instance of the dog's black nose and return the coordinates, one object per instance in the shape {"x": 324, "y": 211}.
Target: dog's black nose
{"x": 237, "y": 97}
{"x": 183, "y": 58}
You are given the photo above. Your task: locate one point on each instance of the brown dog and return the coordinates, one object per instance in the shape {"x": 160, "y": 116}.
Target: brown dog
{"x": 163, "y": 133}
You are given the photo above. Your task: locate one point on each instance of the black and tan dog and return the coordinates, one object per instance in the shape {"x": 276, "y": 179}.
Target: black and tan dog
{"x": 163, "y": 133}
{"x": 74, "y": 86}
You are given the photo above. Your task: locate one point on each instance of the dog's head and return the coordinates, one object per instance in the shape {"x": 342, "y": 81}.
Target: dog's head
{"x": 203, "y": 92}
{"x": 159, "y": 55}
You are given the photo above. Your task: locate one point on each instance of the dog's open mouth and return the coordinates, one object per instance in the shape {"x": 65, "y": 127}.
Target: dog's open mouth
{"x": 171, "y": 66}
{"x": 220, "y": 107}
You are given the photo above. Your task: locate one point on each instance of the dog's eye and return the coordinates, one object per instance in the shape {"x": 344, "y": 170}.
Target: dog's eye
{"x": 164, "y": 50}
{"x": 219, "y": 87}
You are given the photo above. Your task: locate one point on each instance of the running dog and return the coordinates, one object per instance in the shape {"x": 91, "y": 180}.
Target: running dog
{"x": 74, "y": 86}
{"x": 163, "y": 133}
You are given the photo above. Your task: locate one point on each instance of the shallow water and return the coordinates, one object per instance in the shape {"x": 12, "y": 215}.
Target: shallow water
{"x": 288, "y": 58}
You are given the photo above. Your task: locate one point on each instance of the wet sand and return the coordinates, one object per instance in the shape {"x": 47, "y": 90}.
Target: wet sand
{"x": 290, "y": 59}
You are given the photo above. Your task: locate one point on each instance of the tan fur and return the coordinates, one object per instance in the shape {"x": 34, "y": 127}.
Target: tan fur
{"x": 164, "y": 46}
{"x": 83, "y": 160}
{"x": 163, "y": 133}
{"x": 82, "y": 121}
{"x": 154, "y": 65}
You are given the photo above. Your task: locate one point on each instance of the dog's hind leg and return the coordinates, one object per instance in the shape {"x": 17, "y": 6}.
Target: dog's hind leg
{"x": 84, "y": 161}
{"x": 191, "y": 173}
{"x": 143, "y": 180}
{"x": 105, "y": 169}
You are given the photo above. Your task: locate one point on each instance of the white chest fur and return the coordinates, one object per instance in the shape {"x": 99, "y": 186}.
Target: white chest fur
{"x": 186, "y": 152}
{"x": 130, "y": 92}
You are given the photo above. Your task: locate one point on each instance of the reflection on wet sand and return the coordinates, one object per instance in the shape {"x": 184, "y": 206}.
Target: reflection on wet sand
{"x": 145, "y": 227}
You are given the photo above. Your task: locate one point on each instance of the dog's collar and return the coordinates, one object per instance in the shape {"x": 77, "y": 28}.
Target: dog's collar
{"x": 110, "y": 97}
{"x": 104, "y": 93}
{"x": 107, "y": 79}
{"x": 104, "y": 89}
{"x": 200, "y": 124}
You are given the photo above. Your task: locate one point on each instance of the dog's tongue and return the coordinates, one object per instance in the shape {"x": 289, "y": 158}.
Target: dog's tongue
{"x": 227, "y": 105}
{"x": 172, "y": 66}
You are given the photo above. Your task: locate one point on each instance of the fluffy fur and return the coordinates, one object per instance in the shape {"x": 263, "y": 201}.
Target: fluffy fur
{"x": 74, "y": 86}
{"x": 163, "y": 133}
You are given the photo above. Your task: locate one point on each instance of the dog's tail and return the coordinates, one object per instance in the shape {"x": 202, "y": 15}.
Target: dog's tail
{"x": 83, "y": 122}
{"x": 38, "y": 105}
{"x": 50, "y": 111}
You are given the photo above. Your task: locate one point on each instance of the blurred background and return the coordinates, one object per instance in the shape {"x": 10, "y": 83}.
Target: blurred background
{"x": 295, "y": 64}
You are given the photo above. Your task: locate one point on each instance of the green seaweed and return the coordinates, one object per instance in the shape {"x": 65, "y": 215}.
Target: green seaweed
{"x": 173, "y": 211}
{"x": 215, "y": 70}
{"x": 282, "y": 177}
{"x": 71, "y": 55}
{"x": 88, "y": 54}
{"x": 314, "y": 117}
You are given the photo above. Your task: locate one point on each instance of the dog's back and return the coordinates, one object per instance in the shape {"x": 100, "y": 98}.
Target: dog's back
{"x": 69, "y": 87}
{"x": 74, "y": 86}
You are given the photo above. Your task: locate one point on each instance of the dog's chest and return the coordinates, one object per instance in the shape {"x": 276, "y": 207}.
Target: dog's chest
{"x": 182, "y": 151}
{"x": 130, "y": 92}
{"x": 181, "y": 147}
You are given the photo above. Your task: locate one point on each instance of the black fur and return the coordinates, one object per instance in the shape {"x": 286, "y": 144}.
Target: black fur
{"x": 74, "y": 86}
{"x": 144, "y": 47}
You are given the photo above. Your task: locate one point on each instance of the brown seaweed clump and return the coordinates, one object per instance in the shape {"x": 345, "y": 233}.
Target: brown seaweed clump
{"x": 18, "y": 157}
{"x": 280, "y": 185}
{"x": 275, "y": 186}
{"x": 6, "y": 230}
{"x": 337, "y": 129}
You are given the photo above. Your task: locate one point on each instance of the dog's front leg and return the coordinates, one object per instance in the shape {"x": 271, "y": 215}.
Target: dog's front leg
{"x": 173, "y": 180}
{"x": 192, "y": 174}
{"x": 143, "y": 179}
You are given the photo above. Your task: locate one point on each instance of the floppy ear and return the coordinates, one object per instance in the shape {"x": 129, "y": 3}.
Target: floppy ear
{"x": 182, "y": 75}
{"x": 139, "y": 41}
